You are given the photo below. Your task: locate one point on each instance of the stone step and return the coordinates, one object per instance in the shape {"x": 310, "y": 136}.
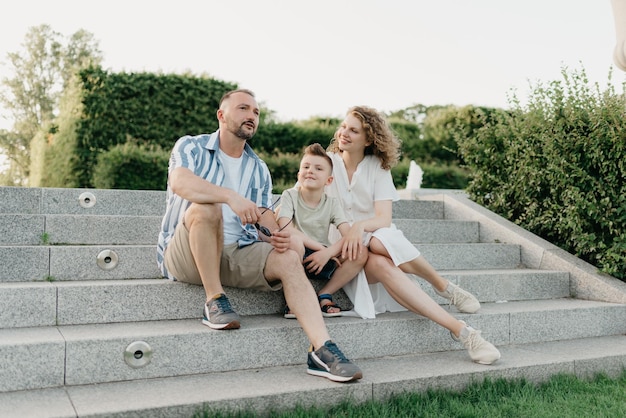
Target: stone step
{"x": 278, "y": 388}
{"x": 20, "y": 200}
{"x": 89, "y": 302}
{"x": 74, "y": 201}
{"x": 24, "y": 230}
{"x": 84, "y": 262}
{"x": 110, "y": 262}
{"x": 29, "y": 230}
{"x": 40, "y": 357}
{"x": 84, "y": 306}
{"x": 438, "y": 231}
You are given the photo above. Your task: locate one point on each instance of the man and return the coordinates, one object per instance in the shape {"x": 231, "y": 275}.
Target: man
{"x": 216, "y": 184}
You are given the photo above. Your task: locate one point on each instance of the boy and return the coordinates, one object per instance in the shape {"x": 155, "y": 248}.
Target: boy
{"x": 309, "y": 212}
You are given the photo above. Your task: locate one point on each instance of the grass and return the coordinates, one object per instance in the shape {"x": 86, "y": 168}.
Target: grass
{"x": 560, "y": 396}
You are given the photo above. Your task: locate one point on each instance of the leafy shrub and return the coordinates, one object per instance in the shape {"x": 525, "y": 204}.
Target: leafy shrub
{"x": 436, "y": 176}
{"x": 444, "y": 176}
{"x": 283, "y": 167}
{"x": 132, "y": 166}
{"x": 558, "y": 168}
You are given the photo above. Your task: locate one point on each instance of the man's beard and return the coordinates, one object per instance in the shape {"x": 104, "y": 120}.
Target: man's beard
{"x": 245, "y": 135}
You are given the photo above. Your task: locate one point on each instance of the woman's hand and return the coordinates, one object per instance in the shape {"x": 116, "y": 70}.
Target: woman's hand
{"x": 352, "y": 242}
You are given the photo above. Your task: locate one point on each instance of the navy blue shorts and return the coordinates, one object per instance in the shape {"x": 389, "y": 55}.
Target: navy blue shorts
{"x": 326, "y": 272}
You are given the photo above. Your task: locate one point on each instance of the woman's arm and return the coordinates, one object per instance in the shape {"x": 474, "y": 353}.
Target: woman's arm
{"x": 353, "y": 238}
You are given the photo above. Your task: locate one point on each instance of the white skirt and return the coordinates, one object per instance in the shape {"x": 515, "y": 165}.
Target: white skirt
{"x": 372, "y": 299}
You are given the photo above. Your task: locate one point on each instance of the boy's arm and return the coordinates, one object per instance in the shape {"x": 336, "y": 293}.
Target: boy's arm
{"x": 306, "y": 240}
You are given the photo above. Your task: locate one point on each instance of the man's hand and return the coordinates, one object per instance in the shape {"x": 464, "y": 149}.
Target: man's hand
{"x": 246, "y": 209}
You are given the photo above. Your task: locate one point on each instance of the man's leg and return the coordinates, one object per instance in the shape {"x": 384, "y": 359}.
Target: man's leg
{"x": 287, "y": 267}
{"x": 206, "y": 241}
{"x": 325, "y": 359}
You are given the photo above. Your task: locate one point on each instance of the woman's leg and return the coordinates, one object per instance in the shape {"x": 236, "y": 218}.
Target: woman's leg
{"x": 380, "y": 269}
{"x": 419, "y": 266}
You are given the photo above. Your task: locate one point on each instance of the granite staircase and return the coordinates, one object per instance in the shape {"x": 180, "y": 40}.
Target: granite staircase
{"x": 88, "y": 327}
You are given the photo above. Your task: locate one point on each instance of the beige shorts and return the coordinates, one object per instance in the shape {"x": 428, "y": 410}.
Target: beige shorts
{"x": 239, "y": 267}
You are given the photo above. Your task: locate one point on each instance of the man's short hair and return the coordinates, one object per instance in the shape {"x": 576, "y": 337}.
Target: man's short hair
{"x": 231, "y": 92}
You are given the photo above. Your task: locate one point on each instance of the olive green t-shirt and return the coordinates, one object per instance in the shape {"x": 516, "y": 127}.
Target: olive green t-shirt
{"x": 314, "y": 222}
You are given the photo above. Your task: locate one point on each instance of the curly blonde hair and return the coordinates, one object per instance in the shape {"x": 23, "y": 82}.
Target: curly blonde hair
{"x": 384, "y": 143}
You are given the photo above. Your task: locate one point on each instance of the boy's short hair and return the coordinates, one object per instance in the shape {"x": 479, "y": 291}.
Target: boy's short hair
{"x": 318, "y": 151}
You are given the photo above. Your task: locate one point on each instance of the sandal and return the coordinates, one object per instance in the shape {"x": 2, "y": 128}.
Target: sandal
{"x": 328, "y": 306}
{"x": 287, "y": 314}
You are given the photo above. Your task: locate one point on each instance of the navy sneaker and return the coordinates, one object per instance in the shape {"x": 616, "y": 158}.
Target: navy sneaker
{"x": 328, "y": 361}
{"x": 218, "y": 314}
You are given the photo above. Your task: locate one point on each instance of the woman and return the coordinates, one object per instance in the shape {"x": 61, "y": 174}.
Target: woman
{"x": 363, "y": 150}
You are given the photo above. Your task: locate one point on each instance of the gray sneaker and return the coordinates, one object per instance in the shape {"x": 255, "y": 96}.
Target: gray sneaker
{"x": 480, "y": 350}
{"x": 218, "y": 314}
{"x": 328, "y": 361}
{"x": 463, "y": 300}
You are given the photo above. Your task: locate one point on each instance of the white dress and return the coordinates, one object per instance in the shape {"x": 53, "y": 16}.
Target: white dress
{"x": 370, "y": 182}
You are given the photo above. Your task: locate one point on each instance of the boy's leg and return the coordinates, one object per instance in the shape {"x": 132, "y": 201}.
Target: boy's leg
{"x": 342, "y": 276}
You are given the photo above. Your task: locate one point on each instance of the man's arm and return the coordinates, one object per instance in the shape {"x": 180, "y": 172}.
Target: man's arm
{"x": 195, "y": 189}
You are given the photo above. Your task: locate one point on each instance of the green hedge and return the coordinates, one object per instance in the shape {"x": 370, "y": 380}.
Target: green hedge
{"x": 103, "y": 110}
{"x": 558, "y": 168}
{"x": 436, "y": 176}
{"x": 109, "y": 108}
{"x": 132, "y": 166}
{"x": 144, "y": 167}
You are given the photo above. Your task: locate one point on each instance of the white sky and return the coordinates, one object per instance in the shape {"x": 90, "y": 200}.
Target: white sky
{"x": 317, "y": 58}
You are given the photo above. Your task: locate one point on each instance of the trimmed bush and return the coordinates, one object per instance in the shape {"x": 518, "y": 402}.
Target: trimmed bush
{"x": 132, "y": 166}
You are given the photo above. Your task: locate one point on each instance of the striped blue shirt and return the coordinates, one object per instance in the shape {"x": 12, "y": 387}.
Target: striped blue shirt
{"x": 199, "y": 154}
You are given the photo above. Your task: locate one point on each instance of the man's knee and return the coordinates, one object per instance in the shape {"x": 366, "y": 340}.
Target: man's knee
{"x": 284, "y": 266}
{"x": 205, "y": 213}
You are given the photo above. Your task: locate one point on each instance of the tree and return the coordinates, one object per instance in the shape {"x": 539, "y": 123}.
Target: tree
{"x": 45, "y": 67}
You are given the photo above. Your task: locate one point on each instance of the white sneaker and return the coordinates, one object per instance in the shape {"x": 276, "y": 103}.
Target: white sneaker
{"x": 480, "y": 350}
{"x": 463, "y": 300}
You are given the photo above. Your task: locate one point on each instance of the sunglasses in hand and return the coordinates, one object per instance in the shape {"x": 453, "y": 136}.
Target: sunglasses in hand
{"x": 265, "y": 231}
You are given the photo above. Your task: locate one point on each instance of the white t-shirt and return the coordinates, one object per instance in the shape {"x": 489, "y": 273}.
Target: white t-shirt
{"x": 232, "y": 180}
